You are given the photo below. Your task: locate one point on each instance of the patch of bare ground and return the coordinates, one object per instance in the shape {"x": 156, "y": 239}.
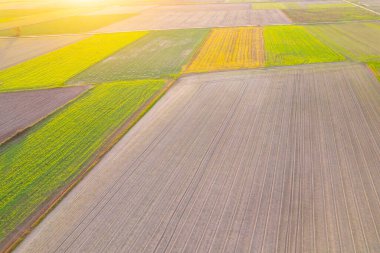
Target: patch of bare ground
{"x": 20, "y": 110}
{"x": 279, "y": 160}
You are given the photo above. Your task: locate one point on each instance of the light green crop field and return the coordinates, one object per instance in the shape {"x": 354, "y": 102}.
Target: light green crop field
{"x": 298, "y": 5}
{"x": 69, "y": 25}
{"x": 40, "y": 161}
{"x": 292, "y": 45}
{"x": 159, "y": 54}
{"x": 310, "y": 15}
{"x": 357, "y": 41}
{"x": 53, "y": 69}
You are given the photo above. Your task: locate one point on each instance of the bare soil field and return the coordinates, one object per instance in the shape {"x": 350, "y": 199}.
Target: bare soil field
{"x": 277, "y": 160}
{"x": 16, "y": 50}
{"x": 182, "y": 18}
{"x": 20, "y": 110}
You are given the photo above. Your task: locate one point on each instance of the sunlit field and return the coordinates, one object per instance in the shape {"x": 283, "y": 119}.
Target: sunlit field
{"x": 189, "y": 126}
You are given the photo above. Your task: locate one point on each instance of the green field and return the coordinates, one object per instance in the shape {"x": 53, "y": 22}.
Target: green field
{"x": 291, "y": 45}
{"x": 298, "y": 5}
{"x": 157, "y": 55}
{"x": 72, "y": 24}
{"x": 357, "y": 41}
{"x": 309, "y": 15}
{"x": 53, "y": 69}
{"x": 45, "y": 158}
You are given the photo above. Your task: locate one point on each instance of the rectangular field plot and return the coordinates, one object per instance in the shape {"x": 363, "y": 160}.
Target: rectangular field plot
{"x": 67, "y": 25}
{"x": 230, "y": 48}
{"x": 329, "y": 14}
{"x": 54, "y": 68}
{"x": 20, "y": 110}
{"x": 238, "y": 161}
{"x": 291, "y": 45}
{"x": 16, "y": 50}
{"x": 186, "y": 17}
{"x": 158, "y": 54}
{"x": 49, "y": 155}
{"x": 357, "y": 41}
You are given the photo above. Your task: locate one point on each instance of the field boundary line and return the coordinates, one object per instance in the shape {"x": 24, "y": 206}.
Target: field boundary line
{"x": 11, "y": 241}
{"x": 271, "y": 68}
{"x": 360, "y": 6}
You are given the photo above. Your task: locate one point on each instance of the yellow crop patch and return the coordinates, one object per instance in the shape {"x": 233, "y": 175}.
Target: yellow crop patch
{"x": 230, "y": 48}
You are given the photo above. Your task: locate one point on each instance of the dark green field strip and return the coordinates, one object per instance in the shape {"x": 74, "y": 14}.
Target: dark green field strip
{"x": 357, "y": 41}
{"x": 54, "y": 68}
{"x": 157, "y": 55}
{"x": 49, "y": 155}
{"x": 309, "y": 15}
{"x": 73, "y": 24}
{"x": 292, "y": 45}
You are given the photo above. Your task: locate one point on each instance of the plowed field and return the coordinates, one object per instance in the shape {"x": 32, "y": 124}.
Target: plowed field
{"x": 280, "y": 160}
{"x": 19, "y": 110}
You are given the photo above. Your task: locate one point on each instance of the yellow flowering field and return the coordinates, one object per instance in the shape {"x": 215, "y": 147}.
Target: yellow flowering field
{"x": 230, "y": 48}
